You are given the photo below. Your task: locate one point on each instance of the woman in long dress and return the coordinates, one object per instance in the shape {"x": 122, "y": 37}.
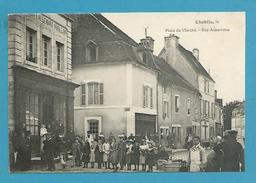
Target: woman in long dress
{"x": 114, "y": 154}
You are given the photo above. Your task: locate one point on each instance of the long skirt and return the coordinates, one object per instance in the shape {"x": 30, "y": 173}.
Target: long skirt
{"x": 129, "y": 158}
{"x": 113, "y": 157}
{"x": 92, "y": 157}
{"x": 142, "y": 159}
{"x": 105, "y": 157}
{"x": 194, "y": 167}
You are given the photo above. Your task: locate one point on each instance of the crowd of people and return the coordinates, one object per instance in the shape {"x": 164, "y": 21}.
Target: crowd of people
{"x": 124, "y": 153}
{"x": 226, "y": 154}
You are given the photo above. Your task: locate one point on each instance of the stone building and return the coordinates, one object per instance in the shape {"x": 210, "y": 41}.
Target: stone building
{"x": 178, "y": 106}
{"x": 186, "y": 64}
{"x": 39, "y": 74}
{"x": 118, "y": 79}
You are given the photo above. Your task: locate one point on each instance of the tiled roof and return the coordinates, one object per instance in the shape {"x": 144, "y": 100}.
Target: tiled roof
{"x": 172, "y": 74}
{"x": 190, "y": 57}
{"x": 112, "y": 43}
{"x": 115, "y": 29}
{"x": 194, "y": 62}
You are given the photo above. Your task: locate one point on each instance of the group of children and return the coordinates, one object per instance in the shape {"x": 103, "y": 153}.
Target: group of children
{"x": 114, "y": 153}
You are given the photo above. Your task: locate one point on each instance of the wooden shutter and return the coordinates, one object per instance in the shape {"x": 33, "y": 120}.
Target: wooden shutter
{"x": 101, "y": 93}
{"x": 151, "y": 98}
{"x": 144, "y": 96}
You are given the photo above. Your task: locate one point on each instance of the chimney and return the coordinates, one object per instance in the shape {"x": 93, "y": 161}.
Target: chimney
{"x": 196, "y": 53}
{"x": 171, "y": 44}
{"x": 147, "y": 43}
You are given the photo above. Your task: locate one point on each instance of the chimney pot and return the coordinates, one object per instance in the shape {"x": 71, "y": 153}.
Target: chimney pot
{"x": 147, "y": 43}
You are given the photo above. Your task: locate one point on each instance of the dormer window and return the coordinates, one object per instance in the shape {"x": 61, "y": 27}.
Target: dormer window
{"x": 91, "y": 52}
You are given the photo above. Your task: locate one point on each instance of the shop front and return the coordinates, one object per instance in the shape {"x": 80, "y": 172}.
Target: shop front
{"x": 42, "y": 100}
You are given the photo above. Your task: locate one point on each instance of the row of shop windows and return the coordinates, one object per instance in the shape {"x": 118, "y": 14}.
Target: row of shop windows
{"x": 46, "y": 47}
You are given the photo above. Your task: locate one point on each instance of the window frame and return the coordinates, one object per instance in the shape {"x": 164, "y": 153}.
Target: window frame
{"x": 88, "y": 52}
{"x": 92, "y": 93}
{"x": 47, "y": 50}
{"x": 31, "y": 45}
{"x": 60, "y": 56}
{"x": 177, "y": 104}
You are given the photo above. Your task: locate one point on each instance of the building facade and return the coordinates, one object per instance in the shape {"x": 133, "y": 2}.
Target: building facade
{"x": 118, "y": 80}
{"x": 187, "y": 65}
{"x": 178, "y": 106}
{"x": 39, "y": 74}
{"x": 238, "y": 122}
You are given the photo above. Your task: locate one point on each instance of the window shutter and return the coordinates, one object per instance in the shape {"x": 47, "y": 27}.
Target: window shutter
{"x": 101, "y": 93}
{"x": 144, "y": 96}
{"x": 151, "y": 98}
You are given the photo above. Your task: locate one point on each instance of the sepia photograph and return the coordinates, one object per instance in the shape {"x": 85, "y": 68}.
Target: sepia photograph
{"x": 126, "y": 92}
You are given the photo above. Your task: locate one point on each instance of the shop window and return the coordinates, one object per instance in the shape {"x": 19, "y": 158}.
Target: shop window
{"x": 176, "y": 131}
{"x": 91, "y": 52}
{"x": 177, "y": 103}
{"x": 60, "y": 56}
{"x": 60, "y": 113}
{"x": 32, "y": 113}
{"x": 46, "y": 50}
{"x": 147, "y": 97}
{"x": 31, "y": 45}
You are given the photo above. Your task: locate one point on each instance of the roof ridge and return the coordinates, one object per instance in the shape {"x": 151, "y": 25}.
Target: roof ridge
{"x": 99, "y": 17}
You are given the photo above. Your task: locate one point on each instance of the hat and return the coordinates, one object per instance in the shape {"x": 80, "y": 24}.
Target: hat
{"x": 121, "y": 136}
{"x": 129, "y": 140}
{"x": 101, "y": 135}
{"x": 233, "y": 132}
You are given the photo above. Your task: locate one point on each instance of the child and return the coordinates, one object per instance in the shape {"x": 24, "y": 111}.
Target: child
{"x": 106, "y": 151}
{"x": 92, "y": 154}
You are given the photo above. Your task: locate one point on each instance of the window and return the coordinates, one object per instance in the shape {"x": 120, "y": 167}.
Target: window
{"x": 176, "y": 131}
{"x": 32, "y": 113}
{"x": 201, "y": 107}
{"x": 147, "y": 96}
{"x": 94, "y": 126}
{"x": 144, "y": 58}
{"x": 83, "y": 94}
{"x": 60, "y": 56}
{"x": 60, "y": 112}
{"x": 165, "y": 109}
{"x": 95, "y": 93}
{"x": 164, "y": 89}
{"x": 206, "y": 86}
{"x": 31, "y": 45}
{"x": 46, "y": 50}
{"x": 188, "y": 105}
{"x": 91, "y": 52}
{"x": 212, "y": 110}
{"x": 177, "y": 103}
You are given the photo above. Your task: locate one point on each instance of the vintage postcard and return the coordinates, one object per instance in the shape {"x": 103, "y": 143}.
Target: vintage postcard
{"x": 126, "y": 92}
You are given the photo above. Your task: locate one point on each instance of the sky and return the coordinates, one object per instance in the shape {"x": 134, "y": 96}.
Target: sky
{"x": 219, "y": 36}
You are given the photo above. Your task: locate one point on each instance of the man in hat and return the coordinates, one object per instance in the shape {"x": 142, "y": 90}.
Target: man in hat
{"x": 233, "y": 151}
{"x": 121, "y": 151}
{"x": 49, "y": 151}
